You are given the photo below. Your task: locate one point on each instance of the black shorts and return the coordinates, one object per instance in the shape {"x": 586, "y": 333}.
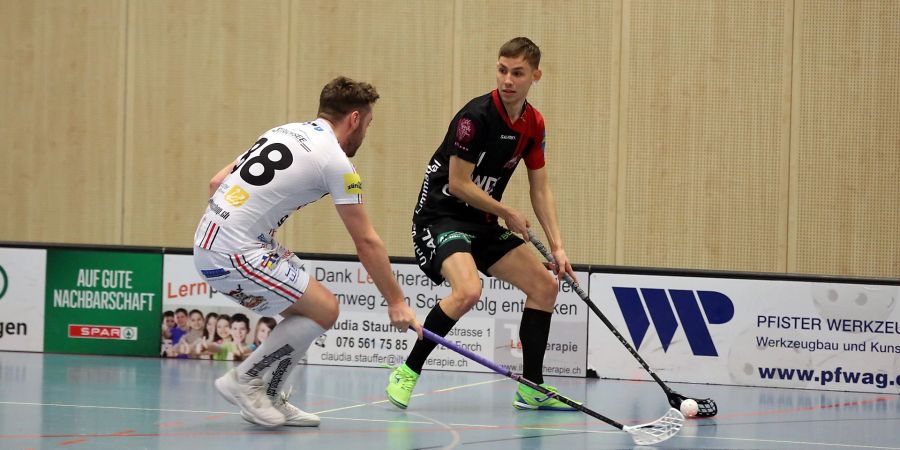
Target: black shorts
{"x": 435, "y": 241}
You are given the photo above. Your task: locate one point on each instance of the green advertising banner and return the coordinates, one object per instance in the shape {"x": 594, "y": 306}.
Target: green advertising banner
{"x": 103, "y": 302}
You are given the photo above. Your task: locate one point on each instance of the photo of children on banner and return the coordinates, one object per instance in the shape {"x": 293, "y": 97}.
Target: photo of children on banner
{"x": 218, "y": 335}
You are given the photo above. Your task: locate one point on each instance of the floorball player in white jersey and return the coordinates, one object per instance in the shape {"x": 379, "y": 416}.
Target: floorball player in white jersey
{"x": 288, "y": 167}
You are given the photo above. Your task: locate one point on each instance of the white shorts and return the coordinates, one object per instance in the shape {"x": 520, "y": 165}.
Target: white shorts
{"x": 265, "y": 280}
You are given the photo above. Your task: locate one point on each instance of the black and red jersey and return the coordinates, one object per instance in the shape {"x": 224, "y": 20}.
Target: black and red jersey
{"x": 480, "y": 133}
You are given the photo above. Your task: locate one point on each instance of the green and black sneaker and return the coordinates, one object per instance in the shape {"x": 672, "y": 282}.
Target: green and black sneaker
{"x": 528, "y": 398}
{"x": 400, "y": 385}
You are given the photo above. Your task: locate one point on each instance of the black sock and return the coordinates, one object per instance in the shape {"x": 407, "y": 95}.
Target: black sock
{"x": 438, "y": 323}
{"x": 534, "y": 332}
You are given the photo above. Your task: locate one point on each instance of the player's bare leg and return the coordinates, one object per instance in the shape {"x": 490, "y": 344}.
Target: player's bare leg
{"x": 465, "y": 285}
{"x": 459, "y": 269}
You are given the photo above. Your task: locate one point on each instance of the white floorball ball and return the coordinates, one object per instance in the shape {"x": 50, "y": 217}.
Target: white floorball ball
{"x": 689, "y": 407}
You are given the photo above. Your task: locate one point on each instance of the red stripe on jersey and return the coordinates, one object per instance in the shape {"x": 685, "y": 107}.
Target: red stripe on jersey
{"x": 209, "y": 233}
{"x": 530, "y": 127}
{"x": 250, "y": 273}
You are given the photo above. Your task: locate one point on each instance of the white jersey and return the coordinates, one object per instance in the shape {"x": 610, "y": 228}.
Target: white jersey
{"x": 290, "y": 166}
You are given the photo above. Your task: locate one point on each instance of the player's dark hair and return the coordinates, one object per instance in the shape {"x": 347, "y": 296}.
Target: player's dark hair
{"x": 224, "y": 317}
{"x": 341, "y": 96}
{"x": 181, "y": 310}
{"x": 169, "y": 314}
{"x": 241, "y": 318}
{"x": 211, "y": 315}
{"x": 519, "y": 46}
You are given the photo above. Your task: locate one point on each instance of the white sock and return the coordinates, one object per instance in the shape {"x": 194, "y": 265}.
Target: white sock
{"x": 278, "y": 354}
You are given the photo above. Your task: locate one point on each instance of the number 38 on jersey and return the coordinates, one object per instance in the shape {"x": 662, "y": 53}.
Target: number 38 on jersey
{"x": 259, "y": 164}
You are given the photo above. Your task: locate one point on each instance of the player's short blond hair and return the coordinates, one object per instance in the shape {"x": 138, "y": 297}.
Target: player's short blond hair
{"x": 520, "y": 46}
{"x": 342, "y": 96}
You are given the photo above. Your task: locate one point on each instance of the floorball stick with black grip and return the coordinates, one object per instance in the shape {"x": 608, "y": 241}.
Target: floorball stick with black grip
{"x": 704, "y": 408}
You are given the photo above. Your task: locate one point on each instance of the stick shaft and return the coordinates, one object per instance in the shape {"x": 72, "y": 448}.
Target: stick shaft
{"x": 509, "y": 374}
{"x": 584, "y": 297}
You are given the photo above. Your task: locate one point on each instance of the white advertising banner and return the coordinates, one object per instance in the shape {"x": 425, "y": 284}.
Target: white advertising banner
{"x": 768, "y": 333}
{"x": 363, "y": 335}
{"x": 184, "y": 288}
{"x": 22, "y": 284}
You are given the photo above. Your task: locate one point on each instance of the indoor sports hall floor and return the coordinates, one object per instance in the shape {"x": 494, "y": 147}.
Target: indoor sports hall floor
{"x": 52, "y": 401}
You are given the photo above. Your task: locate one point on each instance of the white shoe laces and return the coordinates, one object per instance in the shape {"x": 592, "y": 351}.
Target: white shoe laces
{"x": 281, "y": 402}
{"x": 256, "y": 394}
{"x": 285, "y": 396}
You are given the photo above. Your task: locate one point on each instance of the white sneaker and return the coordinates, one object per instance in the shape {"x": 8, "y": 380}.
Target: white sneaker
{"x": 295, "y": 417}
{"x": 252, "y": 399}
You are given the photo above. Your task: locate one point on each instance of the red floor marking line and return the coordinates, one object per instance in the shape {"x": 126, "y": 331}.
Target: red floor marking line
{"x": 169, "y": 424}
{"x": 417, "y": 430}
{"x": 123, "y": 432}
{"x": 795, "y": 410}
{"x": 317, "y": 432}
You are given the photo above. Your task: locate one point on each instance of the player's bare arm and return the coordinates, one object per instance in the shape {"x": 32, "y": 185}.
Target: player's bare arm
{"x": 374, "y": 257}
{"x": 219, "y": 177}
{"x": 463, "y": 188}
{"x": 544, "y": 205}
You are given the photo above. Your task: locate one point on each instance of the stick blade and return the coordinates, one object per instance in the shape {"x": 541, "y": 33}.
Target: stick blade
{"x": 657, "y": 431}
{"x": 705, "y": 407}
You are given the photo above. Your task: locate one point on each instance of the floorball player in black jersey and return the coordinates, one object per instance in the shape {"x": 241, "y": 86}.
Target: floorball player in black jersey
{"x": 455, "y": 223}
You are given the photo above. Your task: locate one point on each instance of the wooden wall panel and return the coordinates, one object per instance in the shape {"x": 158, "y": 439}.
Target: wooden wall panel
{"x": 846, "y": 203}
{"x": 577, "y": 97}
{"x": 713, "y": 134}
{"x": 205, "y": 79}
{"x": 60, "y": 120}
{"x": 705, "y": 134}
{"x": 404, "y": 49}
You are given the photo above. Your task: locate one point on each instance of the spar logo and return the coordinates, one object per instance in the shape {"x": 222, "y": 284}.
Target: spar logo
{"x": 103, "y": 332}
{"x": 664, "y": 304}
{"x": 4, "y": 282}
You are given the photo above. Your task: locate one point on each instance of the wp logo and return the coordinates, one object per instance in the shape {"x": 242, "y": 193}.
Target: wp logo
{"x": 717, "y": 307}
